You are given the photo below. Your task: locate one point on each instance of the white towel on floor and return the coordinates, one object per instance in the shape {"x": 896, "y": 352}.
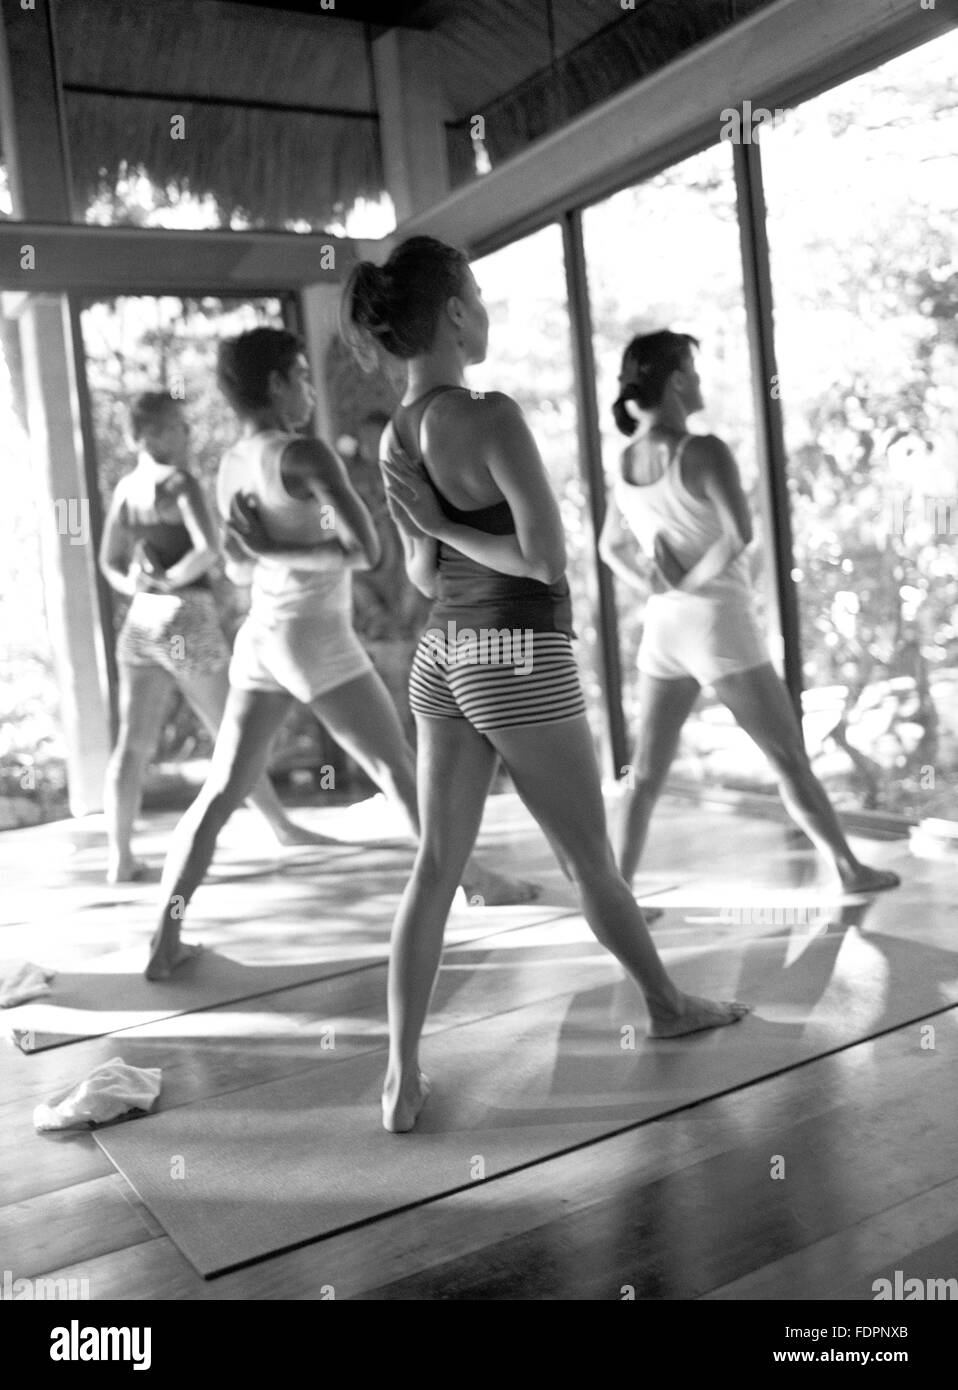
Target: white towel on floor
{"x": 22, "y": 980}
{"x": 111, "y": 1089}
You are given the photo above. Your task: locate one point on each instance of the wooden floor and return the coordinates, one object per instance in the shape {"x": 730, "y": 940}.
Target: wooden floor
{"x": 684, "y": 1207}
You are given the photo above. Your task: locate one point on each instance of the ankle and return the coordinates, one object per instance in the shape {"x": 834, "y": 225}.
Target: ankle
{"x": 663, "y": 1001}
{"x": 398, "y": 1077}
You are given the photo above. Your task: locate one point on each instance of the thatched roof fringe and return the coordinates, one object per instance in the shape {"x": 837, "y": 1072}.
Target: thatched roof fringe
{"x": 270, "y": 168}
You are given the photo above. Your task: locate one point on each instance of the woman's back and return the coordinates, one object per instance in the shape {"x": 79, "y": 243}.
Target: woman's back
{"x": 444, "y": 427}
{"x": 254, "y": 466}
{"x": 655, "y": 500}
{"x": 655, "y": 497}
{"x": 470, "y": 593}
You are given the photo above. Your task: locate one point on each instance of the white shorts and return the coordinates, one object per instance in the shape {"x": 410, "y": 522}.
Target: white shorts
{"x": 690, "y": 635}
{"x": 307, "y": 655}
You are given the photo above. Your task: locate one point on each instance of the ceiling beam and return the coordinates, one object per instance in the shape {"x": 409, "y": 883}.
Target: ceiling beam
{"x": 379, "y": 14}
{"x": 140, "y": 260}
{"x": 199, "y": 99}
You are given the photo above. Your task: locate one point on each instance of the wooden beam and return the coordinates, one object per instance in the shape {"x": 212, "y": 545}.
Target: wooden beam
{"x": 411, "y": 127}
{"x": 769, "y": 426}
{"x": 378, "y": 14}
{"x": 320, "y": 310}
{"x": 780, "y": 56}
{"x": 593, "y": 478}
{"x": 139, "y": 260}
{"x": 285, "y": 108}
{"x": 35, "y": 149}
{"x": 67, "y": 545}
{"x": 34, "y": 143}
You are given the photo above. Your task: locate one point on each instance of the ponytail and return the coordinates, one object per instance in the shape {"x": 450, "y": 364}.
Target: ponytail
{"x": 647, "y": 364}
{"x": 625, "y": 421}
{"x": 361, "y": 312}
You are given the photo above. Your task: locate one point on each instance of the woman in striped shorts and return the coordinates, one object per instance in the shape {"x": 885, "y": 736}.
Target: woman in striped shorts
{"x": 494, "y": 675}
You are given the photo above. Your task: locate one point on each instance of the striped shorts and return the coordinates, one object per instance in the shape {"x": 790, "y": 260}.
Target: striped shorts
{"x": 495, "y": 678}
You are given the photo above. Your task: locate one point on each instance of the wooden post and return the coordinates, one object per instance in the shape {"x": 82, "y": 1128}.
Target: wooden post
{"x": 593, "y": 475}
{"x": 320, "y": 327}
{"x": 39, "y": 178}
{"x": 412, "y": 133}
{"x": 769, "y": 429}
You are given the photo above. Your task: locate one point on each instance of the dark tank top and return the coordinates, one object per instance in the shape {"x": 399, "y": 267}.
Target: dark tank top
{"x": 168, "y": 541}
{"x": 471, "y": 594}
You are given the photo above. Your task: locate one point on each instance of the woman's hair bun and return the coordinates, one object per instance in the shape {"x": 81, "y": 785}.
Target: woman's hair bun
{"x": 396, "y": 307}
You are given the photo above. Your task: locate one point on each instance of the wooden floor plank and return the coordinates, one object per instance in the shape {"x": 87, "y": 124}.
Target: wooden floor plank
{"x": 59, "y": 1228}
{"x": 904, "y": 1236}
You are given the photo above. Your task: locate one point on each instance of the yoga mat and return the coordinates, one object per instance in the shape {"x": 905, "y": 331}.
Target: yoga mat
{"x": 107, "y": 993}
{"x": 280, "y": 1164}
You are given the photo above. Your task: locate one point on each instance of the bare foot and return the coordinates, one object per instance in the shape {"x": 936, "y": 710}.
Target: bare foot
{"x": 127, "y": 871}
{"x": 863, "y": 879}
{"x": 288, "y": 833}
{"x": 485, "y": 888}
{"x": 402, "y": 1104}
{"x": 166, "y": 958}
{"x": 694, "y": 1015}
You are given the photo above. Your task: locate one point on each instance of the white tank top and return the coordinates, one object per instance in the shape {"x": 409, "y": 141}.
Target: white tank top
{"x": 253, "y": 465}
{"x": 689, "y": 524}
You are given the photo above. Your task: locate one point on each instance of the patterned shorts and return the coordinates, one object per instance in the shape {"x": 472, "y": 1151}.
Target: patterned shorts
{"x": 180, "y": 632}
{"x": 497, "y": 679}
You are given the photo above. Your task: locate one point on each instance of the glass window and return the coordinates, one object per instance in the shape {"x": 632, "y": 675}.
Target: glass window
{"x": 862, "y": 193}
{"x": 665, "y": 254}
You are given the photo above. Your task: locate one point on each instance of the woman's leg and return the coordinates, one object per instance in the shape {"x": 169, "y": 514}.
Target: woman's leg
{"x": 362, "y": 719}
{"x": 760, "y": 705}
{"x": 207, "y": 693}
{"x": 249, "y": 724}
{"x": 455, "y": 771}
{"x": 553, "y": 768}
{"x": 663, "y": 707}
{"x": 144, "y": 696}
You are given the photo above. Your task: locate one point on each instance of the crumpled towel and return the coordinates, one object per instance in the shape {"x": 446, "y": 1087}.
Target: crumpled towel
{"x": 110, "y": 1090}
{"x": 22, "y": 980}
